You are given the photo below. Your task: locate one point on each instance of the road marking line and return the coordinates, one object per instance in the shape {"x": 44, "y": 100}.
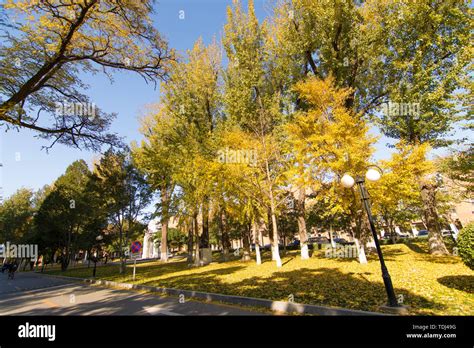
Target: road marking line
{"x": 159, "y": 310}
{"x": 50, "y": 304}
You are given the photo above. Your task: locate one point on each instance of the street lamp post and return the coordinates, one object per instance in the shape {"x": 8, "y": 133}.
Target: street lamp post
{"x": 348, "y": 182}
{"x": 98, "y": 239}
{"x": 95, "y": 266}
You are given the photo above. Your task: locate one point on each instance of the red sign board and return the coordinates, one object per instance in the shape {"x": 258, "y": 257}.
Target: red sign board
{"x": 136, "y": 247}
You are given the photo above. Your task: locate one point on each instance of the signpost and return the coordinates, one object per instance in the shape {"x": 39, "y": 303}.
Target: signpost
{"x": 135, "y": 249}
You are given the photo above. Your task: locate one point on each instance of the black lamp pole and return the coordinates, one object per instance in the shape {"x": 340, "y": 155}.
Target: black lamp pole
{"x": 96, "y": 258}
{"x": 392, "y": 300}
{"x": 95, "y": 267}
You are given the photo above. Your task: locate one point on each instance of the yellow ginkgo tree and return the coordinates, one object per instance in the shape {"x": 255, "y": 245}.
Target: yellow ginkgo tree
{"x": 327, "y": 141}
{"x": 396, "y": 196}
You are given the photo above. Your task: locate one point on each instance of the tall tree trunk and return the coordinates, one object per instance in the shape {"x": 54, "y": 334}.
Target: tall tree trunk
{"x": 435, "y": 238}
{"x": 393, "y": 233}
{"x": 331, "y": 237}
{"x": 66, "y": 254}
{"x": 270, "y": 233}
{"x": 224, "y": 234}
{"x": 205, "y": 223}
{"x": 246, "y": 242}
{"x": 122, "y": 259}
{"x": 300, "y": 216}
{"x": 275, "y": 238}
{"x": 164, "y": 223}
{"x": 88, "y": 254}
{"x": 256, "y": 235}
{"x": 190, "y": 241}
{"x": 197, "y": 258}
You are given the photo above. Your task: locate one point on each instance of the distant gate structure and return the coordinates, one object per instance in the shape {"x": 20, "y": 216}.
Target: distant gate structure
{"x": 151, "y": 249}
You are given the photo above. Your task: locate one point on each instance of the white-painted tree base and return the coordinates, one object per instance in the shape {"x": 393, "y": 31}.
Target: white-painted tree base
{"x": 276, "y": 254}
{"x": 257, "y": 253}
{"x": 360, "y": 251}
{"x": 304, "y": 252}
{"x": 278, "y": 262}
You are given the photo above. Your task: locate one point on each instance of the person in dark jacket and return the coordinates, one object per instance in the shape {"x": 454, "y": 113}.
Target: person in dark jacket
{"x": 6, "y": 266}
{"x": 12, "y": 270}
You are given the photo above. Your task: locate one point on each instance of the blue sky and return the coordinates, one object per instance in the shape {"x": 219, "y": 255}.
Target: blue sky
{"x": 26, "y": 165}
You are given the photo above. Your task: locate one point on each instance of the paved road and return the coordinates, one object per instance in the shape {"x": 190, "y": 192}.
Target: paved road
{"x": 34, "y": 294}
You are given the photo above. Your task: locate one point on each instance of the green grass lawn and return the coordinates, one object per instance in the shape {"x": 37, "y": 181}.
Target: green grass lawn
{"x": 429, "y": 284}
